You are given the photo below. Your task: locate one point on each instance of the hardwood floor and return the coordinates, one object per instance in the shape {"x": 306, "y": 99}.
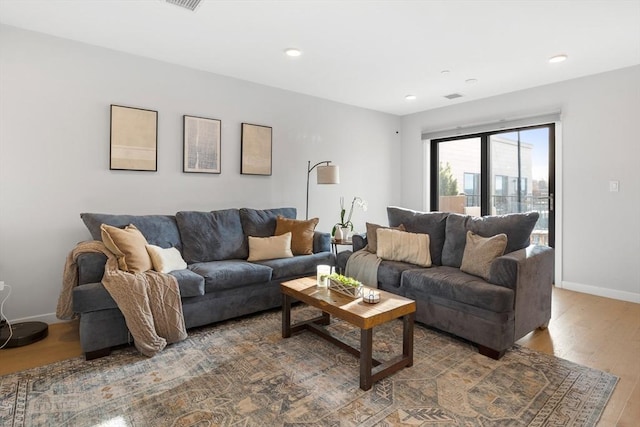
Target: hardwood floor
{"x": 598, "y": 332}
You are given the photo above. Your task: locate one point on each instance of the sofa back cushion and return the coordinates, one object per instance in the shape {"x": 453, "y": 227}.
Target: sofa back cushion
{"x": 262, "y": 222}
{"x": 211, "y": 236}
{"x": 517, "y": 227}
{"x": 159, "y": 230}
{"x": 431, "y": 223}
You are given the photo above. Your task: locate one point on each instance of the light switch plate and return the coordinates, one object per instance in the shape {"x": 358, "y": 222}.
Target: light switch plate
{"x": 614, "y": 186}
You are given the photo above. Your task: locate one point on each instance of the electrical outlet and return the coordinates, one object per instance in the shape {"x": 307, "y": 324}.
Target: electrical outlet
{"x": 1, "y": 285}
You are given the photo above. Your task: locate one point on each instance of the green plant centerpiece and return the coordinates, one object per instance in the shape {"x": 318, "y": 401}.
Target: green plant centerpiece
{"x": 345, "y": 285}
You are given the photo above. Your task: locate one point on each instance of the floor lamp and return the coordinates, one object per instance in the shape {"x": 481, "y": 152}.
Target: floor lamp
{"x": 327, "y": 174}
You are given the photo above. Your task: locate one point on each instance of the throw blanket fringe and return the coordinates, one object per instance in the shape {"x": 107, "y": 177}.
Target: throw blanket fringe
{"x": 149, "y": 301}
{"x": 363, "y": 265}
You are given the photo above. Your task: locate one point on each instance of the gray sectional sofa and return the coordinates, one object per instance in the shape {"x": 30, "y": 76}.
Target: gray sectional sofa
{"x": 218, "y": 284}
{"x": 493, "y": 313}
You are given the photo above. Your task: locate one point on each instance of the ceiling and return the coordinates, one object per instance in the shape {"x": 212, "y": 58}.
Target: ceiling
{"x": 369, "y": 54}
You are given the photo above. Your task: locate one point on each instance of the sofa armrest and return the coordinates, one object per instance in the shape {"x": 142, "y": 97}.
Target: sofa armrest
{"x": 90, "y": 267}
{"x": 359, "y": 241}
{"x": 529, "y": 272}
{"x": 321, "y": 242}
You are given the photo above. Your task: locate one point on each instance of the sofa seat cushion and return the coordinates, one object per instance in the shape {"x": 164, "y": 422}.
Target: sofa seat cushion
{"x": 452, "y": 284}
{"x": 431, "y": 223}
{"x": 299, "y": 265}
{"x": 94, "y": 296}
{"x": 390, "y": 274}
{"x": 159, "y": 230}
{"x": 227, "y": 274}
{"x": 190, "y": 284}
{"x": 212, "y": 236}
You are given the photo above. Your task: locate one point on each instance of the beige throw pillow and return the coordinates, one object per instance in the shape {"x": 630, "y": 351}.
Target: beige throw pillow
{"x": 301, "y": 233}
{"x": 480, "y": 252}
{"x": 372, "y": 236}
{"x": 129, "y": 247}
{"x": 396, "y": 245}
{"x": 261, "y": 248}
{"x": 165, "y": 260}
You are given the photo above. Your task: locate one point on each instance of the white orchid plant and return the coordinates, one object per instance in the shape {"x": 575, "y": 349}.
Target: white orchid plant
{"x": 348, "y": 224}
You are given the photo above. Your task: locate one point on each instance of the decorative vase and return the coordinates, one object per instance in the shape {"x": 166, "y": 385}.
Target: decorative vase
{"x": 338, "y": 234}
{"x": 345, "y": 233}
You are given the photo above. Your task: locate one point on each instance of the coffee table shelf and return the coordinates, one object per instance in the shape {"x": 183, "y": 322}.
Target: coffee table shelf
{"x": 358, "y": 313}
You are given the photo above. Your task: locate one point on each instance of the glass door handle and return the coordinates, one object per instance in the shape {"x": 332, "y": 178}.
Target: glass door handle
{"x": 551, "y": 202}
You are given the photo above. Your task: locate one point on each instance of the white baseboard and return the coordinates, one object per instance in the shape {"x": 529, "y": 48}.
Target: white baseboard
{"x": 601, "y": 292}
{"x": 48, "y": 318}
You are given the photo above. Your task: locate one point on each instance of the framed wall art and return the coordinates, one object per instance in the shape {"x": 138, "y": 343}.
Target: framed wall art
{"x": 256, "y": 150}
{"x": 201, "y": 145}
{"x": 134, "y": 139}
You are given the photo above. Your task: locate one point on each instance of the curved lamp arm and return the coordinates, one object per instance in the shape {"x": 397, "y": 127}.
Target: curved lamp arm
{"x": 309, "y": 169}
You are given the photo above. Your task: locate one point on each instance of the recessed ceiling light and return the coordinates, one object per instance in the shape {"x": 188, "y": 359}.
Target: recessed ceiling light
{"x": 558, "y": 58}
{"x": 292, "y": 51}
{"x": 471, "y": 81}
{"x": 410, "y": 97}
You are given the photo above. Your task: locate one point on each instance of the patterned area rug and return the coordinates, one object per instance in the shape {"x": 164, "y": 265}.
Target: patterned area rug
{"x": 242, "y": 373}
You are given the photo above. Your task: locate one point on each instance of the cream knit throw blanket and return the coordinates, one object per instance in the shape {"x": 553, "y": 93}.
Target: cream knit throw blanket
{"x": 149, "y": 301}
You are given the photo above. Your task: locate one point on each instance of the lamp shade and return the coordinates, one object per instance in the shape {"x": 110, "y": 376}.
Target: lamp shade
{"x": 329, "y": 174}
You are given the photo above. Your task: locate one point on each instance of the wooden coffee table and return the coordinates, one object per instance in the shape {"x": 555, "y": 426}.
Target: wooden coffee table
{"x": 358, "y": 313}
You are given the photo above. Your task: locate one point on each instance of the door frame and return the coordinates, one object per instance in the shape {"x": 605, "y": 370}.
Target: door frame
{"x": 485, "y": 175}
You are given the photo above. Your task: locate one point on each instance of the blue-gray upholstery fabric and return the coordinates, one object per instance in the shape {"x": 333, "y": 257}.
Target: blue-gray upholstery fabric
{"x": 212, "y": 236}
{"x": 431, "y": 223}
{"x": 321, "y": 242}
{"x": 262, "y": 222}
{"x": 358, "y": 241}
{"x": 452, "y": 284}
{"x": 94, "y": 296}
{"x": 90, "y": 267}
{"x": 159, "y": 230}
{"x": 91, "y": 270}
{"x": 390, "y": 275}
{"x": 517, "y": 227}
{"x": 299, "y": 265}
{"x": 227, "y": 274}
{"x": 189, "y": 283}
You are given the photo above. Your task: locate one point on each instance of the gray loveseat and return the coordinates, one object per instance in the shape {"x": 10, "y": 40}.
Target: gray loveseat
{"x": 493, "y": 313}
{"x": 219, "y": 282}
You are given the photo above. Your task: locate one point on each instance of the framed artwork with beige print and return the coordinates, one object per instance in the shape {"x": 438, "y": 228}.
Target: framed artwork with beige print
{"x": 256, "y": 150}
{"x": 134, "y": 139}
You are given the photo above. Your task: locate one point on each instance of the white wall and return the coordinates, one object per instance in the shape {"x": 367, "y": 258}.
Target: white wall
{"x": 600, "y": 236}
{"x": 54, "y": 153}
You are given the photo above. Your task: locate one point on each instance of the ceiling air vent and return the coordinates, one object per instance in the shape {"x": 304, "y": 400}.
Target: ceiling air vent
{"x": 453, "y": 96}
{"x": 187, "y": 4}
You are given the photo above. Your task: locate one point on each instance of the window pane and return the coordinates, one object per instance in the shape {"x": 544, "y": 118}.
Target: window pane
{"x": 459, "y": 176}
{"x": 520, "y": 172}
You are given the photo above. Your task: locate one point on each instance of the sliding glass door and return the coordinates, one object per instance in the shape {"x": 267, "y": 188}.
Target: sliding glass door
{"x": 497, "y": 173}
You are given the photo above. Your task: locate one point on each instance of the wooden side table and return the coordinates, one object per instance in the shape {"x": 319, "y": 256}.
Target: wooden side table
{"x": 339, "y": 242}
